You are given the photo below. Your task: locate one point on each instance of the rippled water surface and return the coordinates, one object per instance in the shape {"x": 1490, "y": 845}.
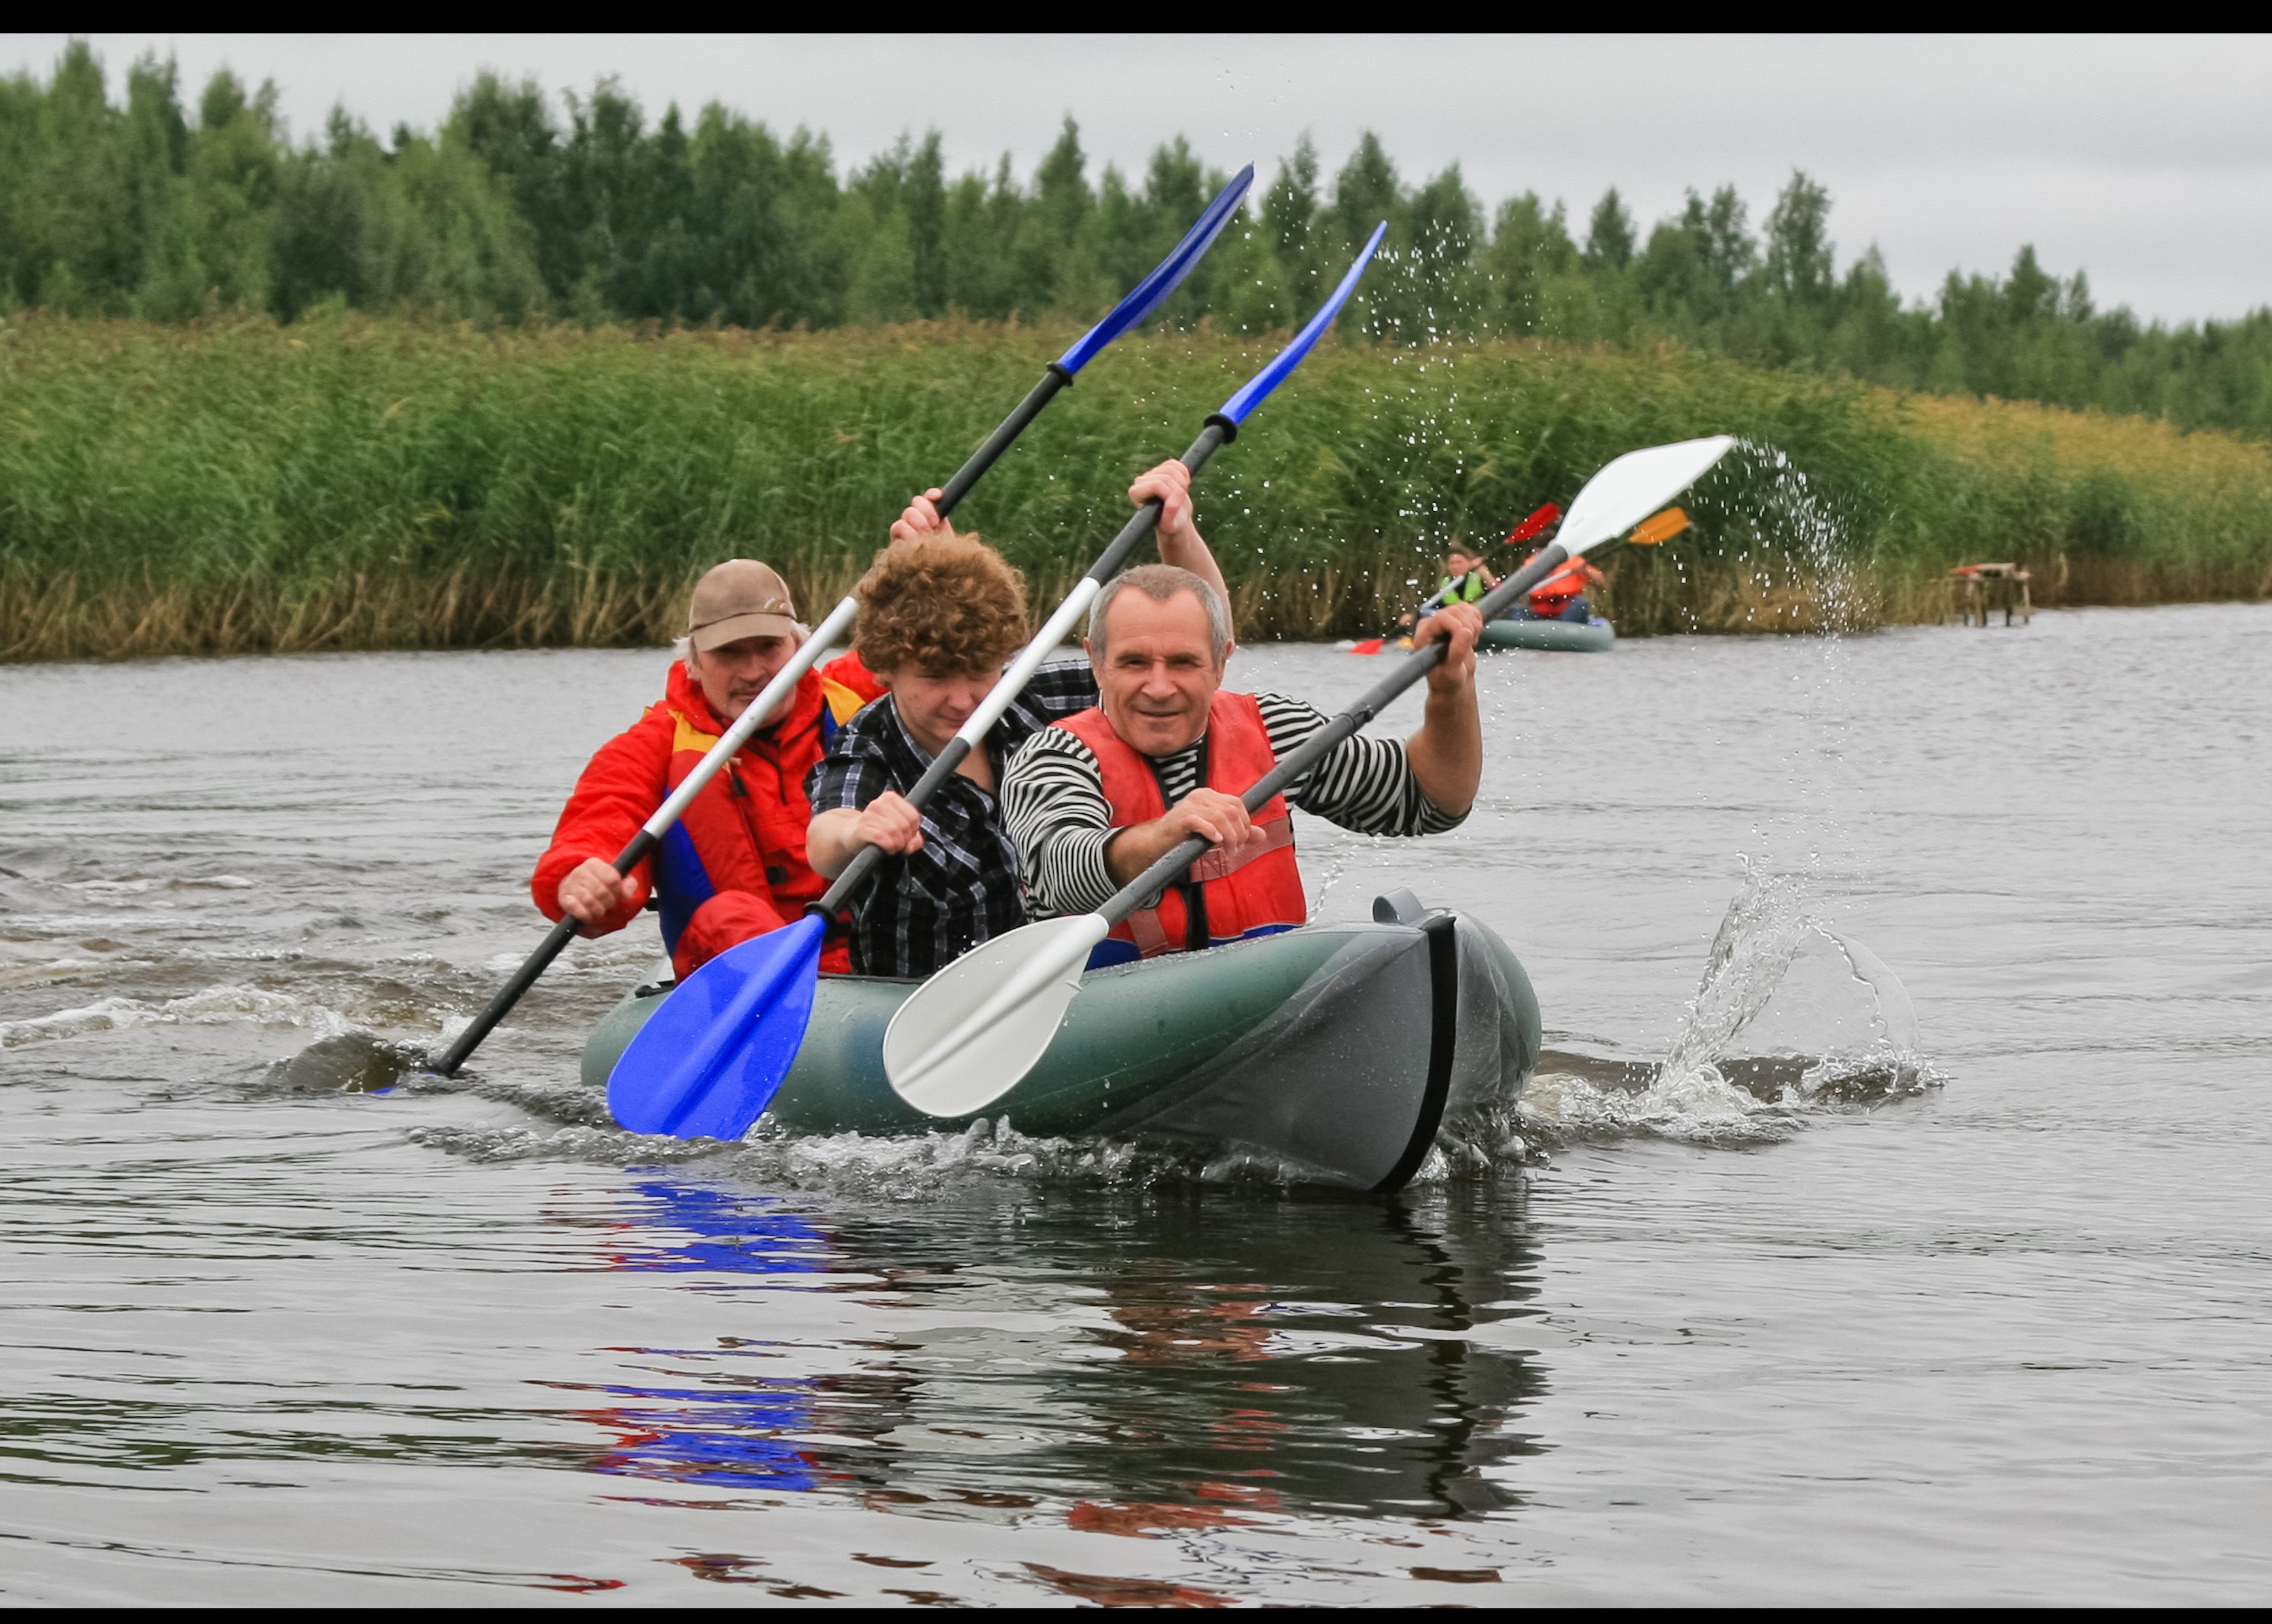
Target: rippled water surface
{"x": 2003, "y": 1333}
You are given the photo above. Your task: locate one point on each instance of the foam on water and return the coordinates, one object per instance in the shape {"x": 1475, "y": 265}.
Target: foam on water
{"x": 222, "y": 1006}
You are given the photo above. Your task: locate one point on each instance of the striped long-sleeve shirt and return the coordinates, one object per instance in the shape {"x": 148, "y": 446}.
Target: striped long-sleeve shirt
{"x": 1053, "y": 802}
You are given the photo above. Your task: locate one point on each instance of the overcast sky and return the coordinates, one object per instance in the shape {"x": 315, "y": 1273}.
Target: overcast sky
{"x": 2146, "y": 161}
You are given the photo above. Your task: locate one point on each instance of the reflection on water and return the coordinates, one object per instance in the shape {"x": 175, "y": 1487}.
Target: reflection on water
{"x": 734, "y": 1432}
{"x": 1327, "y": 1360}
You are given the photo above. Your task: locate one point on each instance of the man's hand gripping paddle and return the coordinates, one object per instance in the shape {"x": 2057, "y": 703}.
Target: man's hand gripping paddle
{"x": 710, "y": 1060}
{"x": 1013, "y": 992}
{"x": 1146, "y": 297}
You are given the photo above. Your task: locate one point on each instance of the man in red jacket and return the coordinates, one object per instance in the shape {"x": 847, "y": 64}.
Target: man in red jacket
{"x": 734, "y": 865}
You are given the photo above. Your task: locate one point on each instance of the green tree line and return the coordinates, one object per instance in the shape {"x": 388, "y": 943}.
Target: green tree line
{"x": 517, "y": 211}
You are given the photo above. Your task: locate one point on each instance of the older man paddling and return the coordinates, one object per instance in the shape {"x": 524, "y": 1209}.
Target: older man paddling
{"x": 734, "y": 867}
{"x": 1094, "y": 800}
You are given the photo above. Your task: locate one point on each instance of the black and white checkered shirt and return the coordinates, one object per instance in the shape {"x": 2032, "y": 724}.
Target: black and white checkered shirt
{"x": 922, "y": 911}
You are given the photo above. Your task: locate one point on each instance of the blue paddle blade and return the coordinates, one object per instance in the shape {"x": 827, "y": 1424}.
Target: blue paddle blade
{"x": 707, "y": 1062}
{"x": 1148, "y": 294}
{"x": 1258, "y": 387}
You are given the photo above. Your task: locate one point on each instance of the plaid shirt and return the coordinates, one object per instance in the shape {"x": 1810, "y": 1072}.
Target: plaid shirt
{"x": 922, "y": 911}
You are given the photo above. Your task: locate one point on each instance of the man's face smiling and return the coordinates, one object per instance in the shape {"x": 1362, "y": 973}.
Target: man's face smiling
{"x": 1156, "y": 673}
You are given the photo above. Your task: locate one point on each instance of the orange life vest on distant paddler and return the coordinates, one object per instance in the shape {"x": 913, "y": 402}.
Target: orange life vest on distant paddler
{"x": 1223, "y": 897}
{"x": 1550, "y": 597}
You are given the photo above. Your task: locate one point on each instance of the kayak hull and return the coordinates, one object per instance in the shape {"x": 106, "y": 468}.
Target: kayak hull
{"x": 1339, "y": 1050}
{"x": 1566, "y": 636}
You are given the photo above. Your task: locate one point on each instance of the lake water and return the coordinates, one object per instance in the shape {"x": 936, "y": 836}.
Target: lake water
{"x": 2005, "y": 1336}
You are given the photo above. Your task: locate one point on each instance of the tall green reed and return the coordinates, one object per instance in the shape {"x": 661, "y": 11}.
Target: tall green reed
{"x": 355, "y": 482}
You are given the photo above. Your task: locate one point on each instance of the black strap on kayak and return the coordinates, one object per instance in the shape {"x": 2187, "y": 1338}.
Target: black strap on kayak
{"x": 1442, "y": 931}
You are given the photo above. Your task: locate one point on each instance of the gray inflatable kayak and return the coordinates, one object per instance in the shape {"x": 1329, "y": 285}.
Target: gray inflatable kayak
{"x": 1339, "y": 1050}
{"x": 1568, "y": 636}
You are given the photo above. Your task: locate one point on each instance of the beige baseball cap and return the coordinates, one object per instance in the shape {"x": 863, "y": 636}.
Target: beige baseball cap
{"x": 740, "y": 598}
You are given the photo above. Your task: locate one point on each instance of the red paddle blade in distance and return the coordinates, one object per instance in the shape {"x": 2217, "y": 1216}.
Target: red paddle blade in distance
{"x": 1533, "y": 525}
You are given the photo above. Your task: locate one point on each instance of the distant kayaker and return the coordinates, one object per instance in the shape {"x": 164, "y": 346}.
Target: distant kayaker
{"x": 1098, "y": 797}
{"x": 1561, "y": 595}
{"x": 940, "y": 614}
{"x": 1466, "y": 579}
{"x": 734, "y": 867}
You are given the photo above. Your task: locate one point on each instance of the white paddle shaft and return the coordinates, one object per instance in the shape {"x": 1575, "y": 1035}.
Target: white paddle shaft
{"x": 785, "y": 681}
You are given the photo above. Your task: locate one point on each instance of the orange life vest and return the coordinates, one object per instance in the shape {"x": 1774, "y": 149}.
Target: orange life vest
{"x": 1550, "y": 597}
{"x": 1223, "y": 897}
{"x": 745, "y": 830}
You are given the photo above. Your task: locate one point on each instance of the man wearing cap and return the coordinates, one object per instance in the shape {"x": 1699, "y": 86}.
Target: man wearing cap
{"x": 734, "y": 867}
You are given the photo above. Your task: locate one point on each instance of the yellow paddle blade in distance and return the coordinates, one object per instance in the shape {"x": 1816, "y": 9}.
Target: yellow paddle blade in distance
{"x": 1660, "y": 527}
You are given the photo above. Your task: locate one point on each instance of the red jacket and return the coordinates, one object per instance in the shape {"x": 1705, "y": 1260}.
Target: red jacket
{"x": 733, "y": 866}
{"x": 1222, "y": 898}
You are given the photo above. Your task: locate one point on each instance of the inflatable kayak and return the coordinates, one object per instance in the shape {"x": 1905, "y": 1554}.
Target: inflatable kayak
{"x": 1592, "y": 637}
{"x": 1340, "y": 1049}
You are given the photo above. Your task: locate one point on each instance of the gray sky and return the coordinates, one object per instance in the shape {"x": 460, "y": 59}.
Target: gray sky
{"x": 2146, "y": 161}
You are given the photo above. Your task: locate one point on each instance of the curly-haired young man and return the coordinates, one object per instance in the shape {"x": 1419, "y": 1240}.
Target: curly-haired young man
{"x": 940, "y": 614}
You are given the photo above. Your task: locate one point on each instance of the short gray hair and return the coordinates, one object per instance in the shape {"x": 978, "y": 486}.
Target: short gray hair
{"x": 1161, "y": 582}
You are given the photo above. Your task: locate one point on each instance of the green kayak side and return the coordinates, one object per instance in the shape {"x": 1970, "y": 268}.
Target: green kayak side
{"x": 1566, "y": 636}
{"x": 1340, "y": 1049}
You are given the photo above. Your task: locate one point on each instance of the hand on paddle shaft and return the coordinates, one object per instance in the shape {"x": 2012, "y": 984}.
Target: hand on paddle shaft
{"x": 1014, "y": 991}
{"x": 710, "y": 1058}
{"x": 1142, "y": 300}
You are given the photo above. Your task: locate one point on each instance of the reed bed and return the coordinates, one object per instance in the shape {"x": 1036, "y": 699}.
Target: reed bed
{"x": 234, "y": 485}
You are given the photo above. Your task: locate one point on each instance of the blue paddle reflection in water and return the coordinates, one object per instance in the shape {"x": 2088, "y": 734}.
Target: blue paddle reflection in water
{"x": 716, "y": 1436}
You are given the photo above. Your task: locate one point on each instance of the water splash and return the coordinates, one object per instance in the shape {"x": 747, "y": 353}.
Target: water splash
{"x": 1791, "y": 1019}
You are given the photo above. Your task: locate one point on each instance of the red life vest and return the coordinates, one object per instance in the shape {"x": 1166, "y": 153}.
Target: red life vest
{"x": 849, "y": 670}
{"x": 1223, "y": 897}
{"x": 745, "y": 830}
{"x": 1550, "y": 597}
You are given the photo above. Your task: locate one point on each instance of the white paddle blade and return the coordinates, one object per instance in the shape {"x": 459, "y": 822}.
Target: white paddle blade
{"x": 1634, "y": 486}
{"x": 971, "y": 1032}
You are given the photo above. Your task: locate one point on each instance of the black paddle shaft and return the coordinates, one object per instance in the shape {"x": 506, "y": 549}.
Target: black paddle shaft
{"x": 1219, "y": 431}
{"x": 554, "y": 944}
{"x": 1314, "y": 748}
{"x": 985, "y": 458}
{"x": 1042, "y": 394}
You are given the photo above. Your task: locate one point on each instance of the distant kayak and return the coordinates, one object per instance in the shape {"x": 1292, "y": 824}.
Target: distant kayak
{"x": 1339, "y": 1049}
{"x": 1595, "y": 636}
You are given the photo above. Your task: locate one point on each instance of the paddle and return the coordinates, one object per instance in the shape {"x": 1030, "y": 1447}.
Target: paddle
{"x": 1538, "y": 520}
{"x": 1142, "y": 300}
{"x": 1014, "y": 991}
{"x": 708, "y": 1061}
{"x": 1662, "y": 528}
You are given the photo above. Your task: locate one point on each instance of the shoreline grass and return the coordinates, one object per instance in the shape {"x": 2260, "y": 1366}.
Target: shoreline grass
{"x": 349, "y": 482}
